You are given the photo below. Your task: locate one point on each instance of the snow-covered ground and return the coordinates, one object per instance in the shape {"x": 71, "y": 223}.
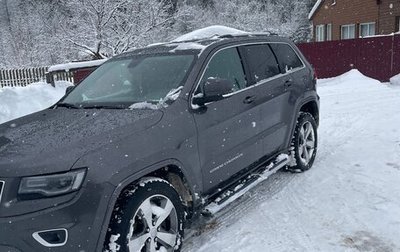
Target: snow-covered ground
{"x": 395, "y": 80}
{"x": 349, "y": 200}
{"x": 19, "y": 101}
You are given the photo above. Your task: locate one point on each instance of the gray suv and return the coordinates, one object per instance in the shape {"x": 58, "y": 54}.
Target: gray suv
{"x": 153, "y": 139}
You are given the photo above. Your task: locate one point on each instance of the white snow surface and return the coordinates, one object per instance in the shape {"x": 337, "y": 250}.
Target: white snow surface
{"x": 349, "y": 201}
{"x": 20, "y": 101}
{"x": 395, "y": 80}
{"x": 209, "y": 32}
{"x": 145, "y": 105}
{"x": 74, "y": 65}
{"x": 188, "y": 46}
{"x": 114, "y": 247}
{"x": 172, "y": 95}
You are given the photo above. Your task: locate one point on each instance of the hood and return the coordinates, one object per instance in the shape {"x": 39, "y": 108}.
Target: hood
{"x": 53, "y": 140}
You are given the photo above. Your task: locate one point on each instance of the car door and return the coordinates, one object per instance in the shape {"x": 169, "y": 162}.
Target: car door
{"x": 271, "y": 85}
{"x": 295, "y": 79}
{"x": 228, "y": 130}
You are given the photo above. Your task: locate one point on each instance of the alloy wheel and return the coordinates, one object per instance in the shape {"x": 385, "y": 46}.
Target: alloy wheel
{"x": 154, "y": 226}
{"x": 306, "y": 142}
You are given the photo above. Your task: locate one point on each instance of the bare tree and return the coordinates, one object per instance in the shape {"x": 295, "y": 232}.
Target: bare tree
{"x": 7, "y": 48}
{"x": 108, "y": 27}
{"x": 43, "y": 32}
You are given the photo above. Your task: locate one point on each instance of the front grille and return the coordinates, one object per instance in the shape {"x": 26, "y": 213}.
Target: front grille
{"x": 1, "y": 189}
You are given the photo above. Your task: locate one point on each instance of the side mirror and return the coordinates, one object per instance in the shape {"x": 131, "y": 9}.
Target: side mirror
{"x": 213, "y": 89}
{"x": 69, "y": 89}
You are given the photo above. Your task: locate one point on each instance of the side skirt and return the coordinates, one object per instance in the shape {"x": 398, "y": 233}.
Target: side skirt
{"x": 239, "y": 188}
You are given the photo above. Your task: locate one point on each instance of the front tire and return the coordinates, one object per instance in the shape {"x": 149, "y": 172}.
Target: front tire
{"x": 147, "y": 218}
{"x": 304, "y": 143}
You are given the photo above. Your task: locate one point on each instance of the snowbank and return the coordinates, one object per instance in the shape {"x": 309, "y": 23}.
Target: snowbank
{"x": 395, "y": 80}
{"x": 20, "y": 101}
{"x": 355, "y": 77}
{"x": 209, "y": 32}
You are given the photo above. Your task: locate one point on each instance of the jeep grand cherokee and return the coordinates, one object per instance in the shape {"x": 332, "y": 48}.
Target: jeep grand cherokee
{"x": 153, "y": 138}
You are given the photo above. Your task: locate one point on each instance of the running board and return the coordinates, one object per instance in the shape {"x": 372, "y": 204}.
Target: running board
{"x": 245, "y": 185}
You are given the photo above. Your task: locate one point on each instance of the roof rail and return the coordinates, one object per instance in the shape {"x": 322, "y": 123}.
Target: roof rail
{"x": 268, "y": 33}
{"x": 216, "y": 36}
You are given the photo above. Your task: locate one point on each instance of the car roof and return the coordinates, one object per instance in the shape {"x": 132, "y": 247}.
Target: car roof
{"x": 196, "y": 46}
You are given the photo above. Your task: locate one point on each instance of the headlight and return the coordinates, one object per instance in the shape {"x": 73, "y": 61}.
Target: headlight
{"x": 51, "y": 185}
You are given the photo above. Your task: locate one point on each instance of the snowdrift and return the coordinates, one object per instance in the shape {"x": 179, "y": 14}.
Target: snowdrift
{"x": 353, "y": 77}
{"x": 395, "y": 80}
{"x": 20, "y": 101}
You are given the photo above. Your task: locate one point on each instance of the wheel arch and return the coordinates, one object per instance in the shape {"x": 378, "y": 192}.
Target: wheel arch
{"x": 171, "y": 171}
{"x": 309, "y": 105}
{"x": 312, "y": 108}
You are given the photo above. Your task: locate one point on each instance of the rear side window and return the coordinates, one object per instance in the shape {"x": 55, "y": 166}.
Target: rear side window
{"x": 227, "y": 64}
{"x": 262, "y": 62}
{"x": 287, "y": 57}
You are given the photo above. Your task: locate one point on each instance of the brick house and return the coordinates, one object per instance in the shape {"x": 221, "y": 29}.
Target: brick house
{"x": 348, "y": 19}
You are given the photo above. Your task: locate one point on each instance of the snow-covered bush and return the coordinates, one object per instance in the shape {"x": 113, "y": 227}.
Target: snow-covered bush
{"x": 395, "y": 80}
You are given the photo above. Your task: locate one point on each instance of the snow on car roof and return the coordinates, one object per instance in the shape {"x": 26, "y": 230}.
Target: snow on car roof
{"x": 196, "y": 41}
{"x": 187, "y": 46}
{"x": 209, "y": 32}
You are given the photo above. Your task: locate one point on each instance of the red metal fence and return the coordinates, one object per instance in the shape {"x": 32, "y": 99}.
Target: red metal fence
{"x": 376, "y": 57}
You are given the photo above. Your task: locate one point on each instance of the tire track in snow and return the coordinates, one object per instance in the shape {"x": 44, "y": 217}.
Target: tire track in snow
{"x": 247, "y": 203}
{"x": 296, "y": 213}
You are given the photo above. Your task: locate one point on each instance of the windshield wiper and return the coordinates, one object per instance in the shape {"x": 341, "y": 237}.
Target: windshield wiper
{"x": 104, "y": 107}
{"x": 67, "y": 105}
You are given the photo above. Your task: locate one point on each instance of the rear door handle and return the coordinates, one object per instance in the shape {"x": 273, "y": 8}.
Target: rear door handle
{"x": 249, "y": 99}
{"x": 288, "y": 82}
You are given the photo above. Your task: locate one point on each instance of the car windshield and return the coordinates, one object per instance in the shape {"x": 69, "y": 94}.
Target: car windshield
{"x": 121, "y": 83}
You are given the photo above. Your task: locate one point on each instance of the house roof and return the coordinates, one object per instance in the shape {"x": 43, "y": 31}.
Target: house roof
{"x": 315, "y": 8}
{"x": 76, "y": 65}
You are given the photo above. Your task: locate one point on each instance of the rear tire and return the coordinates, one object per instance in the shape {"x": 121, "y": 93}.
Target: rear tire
{"x": 147, "y": 217}
{"x": 304, "y": 143}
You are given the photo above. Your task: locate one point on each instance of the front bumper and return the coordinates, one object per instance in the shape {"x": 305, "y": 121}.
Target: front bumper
{"x": 83, "y": 218}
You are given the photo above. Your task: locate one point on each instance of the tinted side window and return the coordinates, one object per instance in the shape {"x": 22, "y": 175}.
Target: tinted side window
{"x": 227, "y": 64}
{"x": 261, "y": 61}
{"x": 287, "y": 58}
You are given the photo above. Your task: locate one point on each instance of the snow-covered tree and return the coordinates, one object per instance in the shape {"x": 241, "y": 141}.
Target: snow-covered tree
{"x": 45, "y": 32}
{"x": 287, "y": 18}
{"x": 103, "y": 28}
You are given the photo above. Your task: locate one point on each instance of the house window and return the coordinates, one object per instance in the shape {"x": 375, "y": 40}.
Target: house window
{"x": 328, "y": 32}
{"x": 320, "y": 33}
{"x": 398, "y": 24}
{"x": 348, "y": 31}
{"x": 367, "y": 29}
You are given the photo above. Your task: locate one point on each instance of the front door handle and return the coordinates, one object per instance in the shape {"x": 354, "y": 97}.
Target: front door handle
{"x": 249, "y": 99}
